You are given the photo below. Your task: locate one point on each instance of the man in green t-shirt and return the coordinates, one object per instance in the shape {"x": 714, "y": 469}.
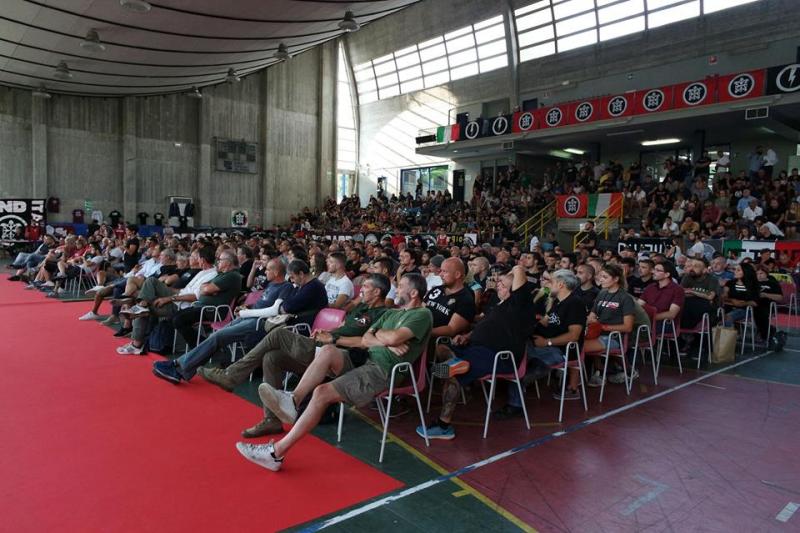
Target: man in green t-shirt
{"x": 399, "y": 335}
{"x": 282, "y": 350}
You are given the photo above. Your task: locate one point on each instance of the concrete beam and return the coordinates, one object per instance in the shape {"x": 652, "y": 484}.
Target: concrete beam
{"x": 39, "y": 188}
{"x": 130, "y": 157}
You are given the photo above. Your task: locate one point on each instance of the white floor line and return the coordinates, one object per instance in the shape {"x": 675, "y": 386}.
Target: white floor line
{"x": 787, "y": 512}
{"x": 541, "y": 440}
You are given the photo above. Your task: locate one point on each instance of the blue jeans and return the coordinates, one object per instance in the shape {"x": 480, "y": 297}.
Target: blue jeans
{"x": 547, "y": 355}
{"x": 735, "y": 314}
{"x": 239, "y": 330}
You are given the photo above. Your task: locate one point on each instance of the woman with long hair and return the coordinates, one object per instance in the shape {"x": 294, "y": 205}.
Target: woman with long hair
{"x": 740, "y": 293}
{"x": 614, "y": 309}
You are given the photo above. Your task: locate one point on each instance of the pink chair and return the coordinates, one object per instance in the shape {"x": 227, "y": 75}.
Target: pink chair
{"x": 514, "y": 377}
{"x": 413, "y": 389}
{"x": 252, "y": 298}
{"x": 327, "y": 319}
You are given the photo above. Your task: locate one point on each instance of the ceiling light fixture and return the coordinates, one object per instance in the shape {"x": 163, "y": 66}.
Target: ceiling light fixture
{"x": 41, "y": 92}
{"x": 282, "y": 53}
{"x": 194, "y": 93}
{"x": 62, "y": 71}
{"x": 92, "y": 42}
{"x": 349, "y": 23}
{"x": 658, "y": 142}
{"x": 232, "y": 77}
{"x": 575, "y": 151}
{"x": 136, "y": 6}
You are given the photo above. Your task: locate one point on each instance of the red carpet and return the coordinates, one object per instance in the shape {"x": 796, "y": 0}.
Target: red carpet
{"x": 92, "y": 441}
{"x": 15, "y": 293}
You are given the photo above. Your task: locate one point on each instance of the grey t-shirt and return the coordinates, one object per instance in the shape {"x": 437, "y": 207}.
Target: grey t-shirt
{"x": 611, "y": 307}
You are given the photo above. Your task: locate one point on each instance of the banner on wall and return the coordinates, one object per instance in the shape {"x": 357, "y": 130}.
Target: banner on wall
{"x": 653, "y": 245}
{"x": 589, "y": 205}
{"x": 752, "y": 249}
{"x": 783, "y": 79}
{"x": 17, "y": 214}
{"x": 653, "y": 100}
{"x": 741, "y": 86}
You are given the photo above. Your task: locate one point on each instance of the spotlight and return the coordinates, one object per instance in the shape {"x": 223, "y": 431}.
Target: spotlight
{"x": 137, "y": 6}
{"x": 92, "y": 42}
{"x": 232, "y": 77}
{"x": 41, "y": 92}
{"x": 349, "y": 22}
{"x": 62, "y": 71}
{"x": 282, "y": 53}
{"x": 195, "y": 93}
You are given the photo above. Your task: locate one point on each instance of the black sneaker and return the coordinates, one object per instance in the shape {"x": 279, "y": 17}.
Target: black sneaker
{"x": 14, "y": 278}
{"x": 123, "y": 332}
{"x": 167, "y": 370}
{"x": 507, "y": 412}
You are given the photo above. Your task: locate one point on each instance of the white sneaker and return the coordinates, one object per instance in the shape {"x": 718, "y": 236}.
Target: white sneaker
{"x": 129, "y": 349}
{"x": 96, "y": 288}
{"x": 89, "y": 316}
{"x": 48, "y": 284}
{"x": 135, "y": 311}
{"x": 279, "y": 402}
{"x": 596, "y": 380}
{"x": 261, "y": 454}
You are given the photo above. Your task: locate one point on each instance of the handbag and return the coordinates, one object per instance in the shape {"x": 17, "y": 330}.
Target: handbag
{"x": 724, "y": 344}
{"x": 593, "y": 330}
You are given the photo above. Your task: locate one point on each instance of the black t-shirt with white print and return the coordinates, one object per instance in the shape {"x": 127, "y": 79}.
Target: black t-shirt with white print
{"x": 443, "y": 305}
{"x": 563, "y": 314}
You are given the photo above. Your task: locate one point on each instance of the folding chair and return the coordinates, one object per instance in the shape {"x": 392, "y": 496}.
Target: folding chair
{"x": 789, "y": 291}
{"x": 670, "y": 333}
{"x": 748, "y": 323}
{"x": 417, "y": 385}
{"x": 508, "y": 376}
{"x": 432, "y": 378}
{"x": 645, "y": 340}
{"x": 578, "y": 363}
{"x": 215, "y": 311}
{"x": 609, "y": 353}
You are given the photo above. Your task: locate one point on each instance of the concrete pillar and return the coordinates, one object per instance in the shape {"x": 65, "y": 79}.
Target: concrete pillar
{"x": 130, "y": 173}
{"x": 326, "y": 132}
{"x": 268, "y": 179}
{"x": 39, "y": 186}
{"x": 513, "y": 54}
{"x": 204, "y": 202}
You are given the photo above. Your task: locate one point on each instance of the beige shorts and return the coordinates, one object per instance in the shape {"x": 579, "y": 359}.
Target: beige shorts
{"x": 359, "y": 386}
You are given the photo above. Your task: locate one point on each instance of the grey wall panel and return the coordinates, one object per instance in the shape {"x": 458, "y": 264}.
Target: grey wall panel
{"x": 15, "y": 157}
{"x": 164, "y": 170}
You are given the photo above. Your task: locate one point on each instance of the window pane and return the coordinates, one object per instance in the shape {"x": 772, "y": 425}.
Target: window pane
{"x": 674, "y": 14}
{"x": 410, "y": 73}
{"x": 545, "y": 33}
{"x": 487, "y": 23}
{"x": 461, "y": 43}
{"x": 462, "y": 57}
{"x": 532, "y": 7}
{"x": 367, "y": 86}
{"x": 464, "y": 71}
{"x": 457, "y": 33}
{"x": 570, "y": 7}
{"x": 404, "y": 51}
{"x": 362, "y": 66}
{"x": 437, "y": 79}
{"x": 430, "y": 42}
{"x": 385, "y": 81}
{"x": 655, "y": 4}
{"x": 492, "y": 49}
{"x": 534, "y": 19}
{"x": 434, "y": 52}
{"x": 581, "y": 22}
{"x": 494, "y": 63}
{"x": 577, "y": 40}
{"x": 490, "y": 34}
{"x": 434, "y": 66}
{"x": 540, "y": 50}
{"x": 362, "y": 75}
{"x": 618, "y": 29}
{"x": 385, "y": 68}
{"x": 413, "y": 85}
{"x": 407, "y": 60}
{"x": 710, "y": 6}
{"x": 346, "y": 134}
{"x": 388, "y": 92}
{"x": 619, "y": 11}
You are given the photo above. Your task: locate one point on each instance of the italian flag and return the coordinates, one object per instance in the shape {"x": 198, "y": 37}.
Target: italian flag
{"x": 445, "y": 134}
{"x": 608, "y": 204}
{"x": 752, "y": 249}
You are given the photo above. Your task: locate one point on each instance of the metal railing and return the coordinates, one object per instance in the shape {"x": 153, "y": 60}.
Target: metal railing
{"x": 602, "y": 222}
{"x": 538, "y": 221}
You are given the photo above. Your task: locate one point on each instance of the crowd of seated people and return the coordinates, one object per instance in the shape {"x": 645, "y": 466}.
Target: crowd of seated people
{"x": 399, "y": 295}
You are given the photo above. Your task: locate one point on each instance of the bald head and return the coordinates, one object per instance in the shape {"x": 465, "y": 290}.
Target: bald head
{"x": 276, "y": 270}
{"x": 452, "y": 273}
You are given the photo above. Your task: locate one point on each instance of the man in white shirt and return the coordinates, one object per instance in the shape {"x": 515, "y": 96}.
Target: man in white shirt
{"x": 770, "y": 160}
{"x": 432, "y": 278}
{"x": 337, "y": 284}
{"x": 752, "y": 211}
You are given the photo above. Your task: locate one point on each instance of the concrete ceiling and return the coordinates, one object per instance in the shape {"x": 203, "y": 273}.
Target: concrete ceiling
{"x": 178, "y": 44}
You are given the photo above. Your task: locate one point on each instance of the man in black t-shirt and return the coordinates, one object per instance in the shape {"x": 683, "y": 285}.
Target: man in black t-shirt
{"x": 452, "y": 304}
{"x": 637, "y": 285}
{"x": 505, "y": 327}
{"x": 115, "y": 216}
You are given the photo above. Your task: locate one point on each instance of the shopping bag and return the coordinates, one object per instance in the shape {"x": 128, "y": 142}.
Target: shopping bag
{"x": 724, "y": 345}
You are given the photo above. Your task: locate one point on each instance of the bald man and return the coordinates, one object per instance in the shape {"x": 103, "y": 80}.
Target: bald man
{"x": 452, "y": 304}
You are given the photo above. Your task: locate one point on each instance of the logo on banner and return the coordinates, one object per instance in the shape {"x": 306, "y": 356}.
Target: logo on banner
{"x": 741, "y": 85}
{"x": 695, "y": 93}
{"x": 617, "y": 106}
{"x": 554, "y": 117}
{"x": 239, "y": 219}
{"x": 525, "y": 121}
{"x": 472, "y": 130}
{"x": 572, "y": 206}
{"x": 500, "y": 126}
{"x": 653, "y": 100}
{"x": 584, "y": 112}
{"x": 788, "y": 79}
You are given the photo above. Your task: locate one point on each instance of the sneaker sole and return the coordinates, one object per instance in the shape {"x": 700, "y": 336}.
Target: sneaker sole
{"x": 438, "y": 437}
{"x": 166, "y": 377}
{"x": 446, "y": 371}
{"x": 269, "y": 398}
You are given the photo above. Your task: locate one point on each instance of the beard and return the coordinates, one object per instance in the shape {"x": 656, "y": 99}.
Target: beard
{"x": 400, "y": 301}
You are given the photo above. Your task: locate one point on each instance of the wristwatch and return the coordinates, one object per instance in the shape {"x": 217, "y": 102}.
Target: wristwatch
{"x": 549, "y": 342}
